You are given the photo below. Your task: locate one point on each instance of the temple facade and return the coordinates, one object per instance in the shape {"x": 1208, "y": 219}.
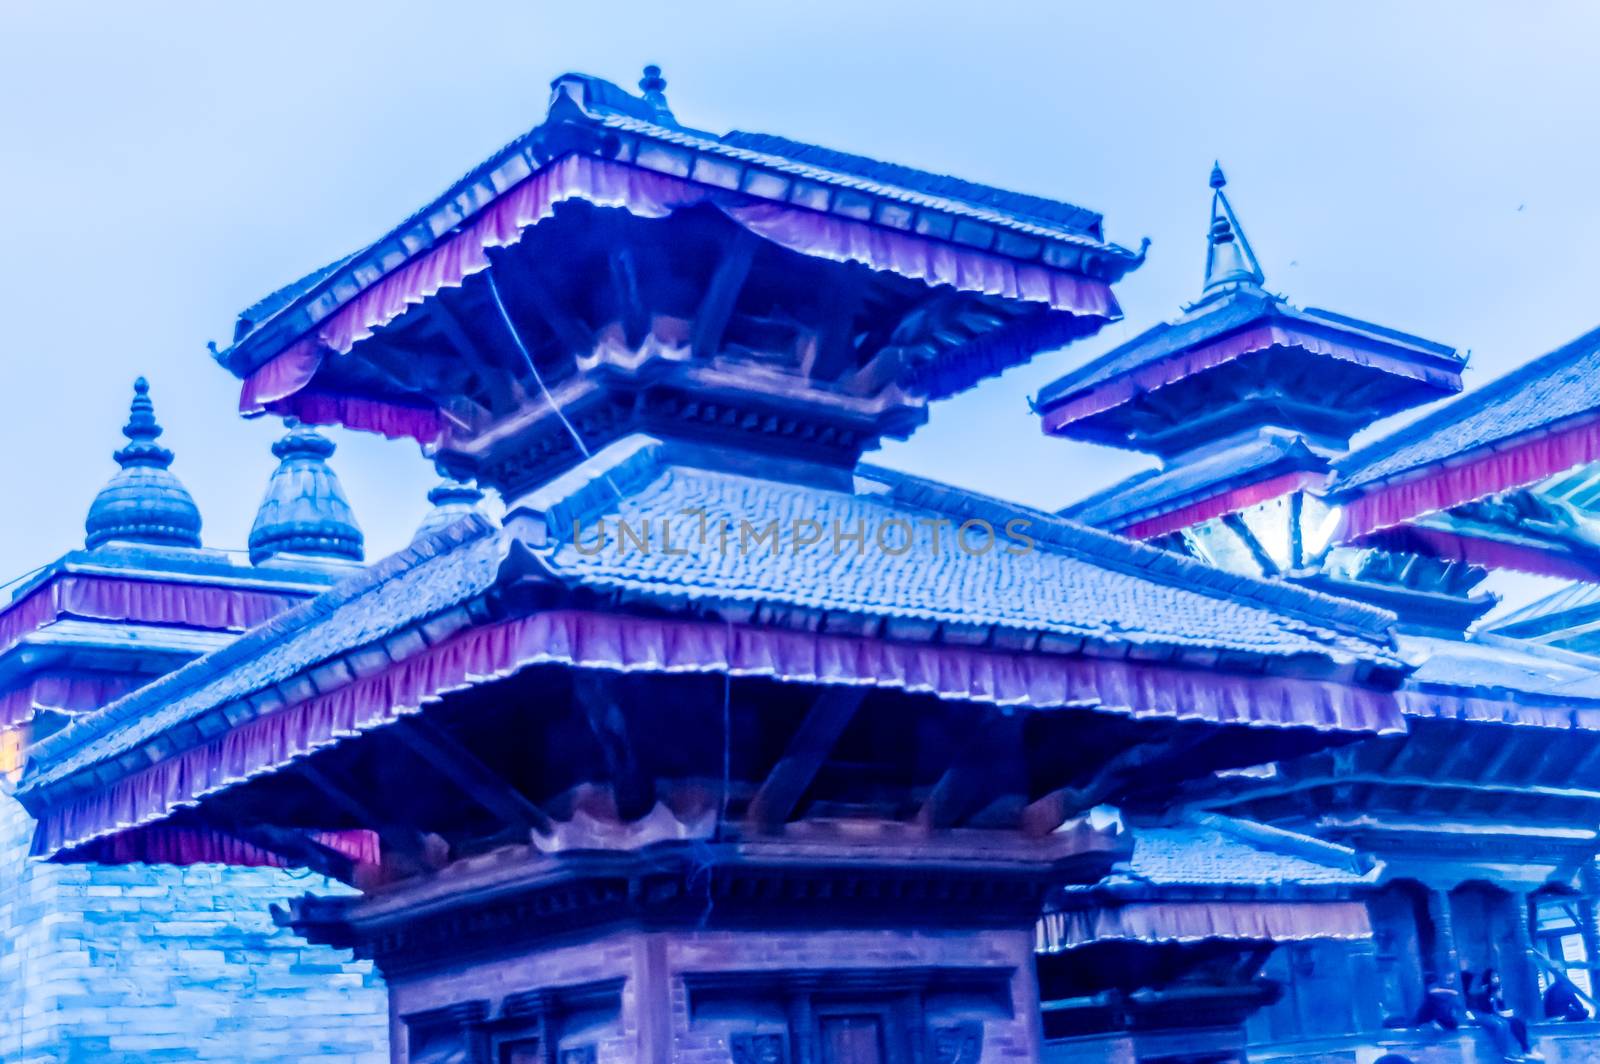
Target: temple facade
{"x": 725, "y": 744}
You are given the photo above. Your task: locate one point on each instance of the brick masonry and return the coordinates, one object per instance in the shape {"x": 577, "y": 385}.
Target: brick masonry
{"x": 139, "y": 963}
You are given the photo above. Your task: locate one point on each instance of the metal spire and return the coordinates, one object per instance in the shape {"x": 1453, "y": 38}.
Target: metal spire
{"x": 144, "y": 502}
{"x": 1230, "y": 262}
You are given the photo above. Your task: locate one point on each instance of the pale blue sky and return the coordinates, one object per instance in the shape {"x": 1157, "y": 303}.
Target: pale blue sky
{"x": 1431, "y": 166}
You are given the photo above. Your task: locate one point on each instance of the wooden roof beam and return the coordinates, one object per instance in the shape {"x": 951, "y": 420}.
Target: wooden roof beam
{"x": 1385, "y": 780}
{"x": 979, "y": 772}
{"x": 407, "y": 844}
{"x": 469, "y": 774}
{"x": 486, "y": 368}
{"x": 526, "y": 282}
{"x": 296, "y": 848}
{"x": 1047, "y": 813}
{"x": 809, "y": 747}
{"x": 722, "y": 293}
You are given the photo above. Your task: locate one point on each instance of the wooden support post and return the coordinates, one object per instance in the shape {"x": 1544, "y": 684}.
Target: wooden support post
{"x": 464, "y": 769}
{"x": 1523, "y": 982}
{"x": 809, "y": 747}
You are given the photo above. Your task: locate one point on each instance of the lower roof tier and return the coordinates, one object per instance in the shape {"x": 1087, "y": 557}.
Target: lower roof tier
{"x": 878, "y": 583}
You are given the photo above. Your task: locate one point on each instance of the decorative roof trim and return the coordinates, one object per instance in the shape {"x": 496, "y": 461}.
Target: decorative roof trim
{"x": 1354, "y": 470}
{"x": 1230, "y": 501}
{"x": 367, "y": 687}
{"x": 1467, "y": 476}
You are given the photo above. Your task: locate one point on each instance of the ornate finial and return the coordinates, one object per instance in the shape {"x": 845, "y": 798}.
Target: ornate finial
{"x": 654, "y": 88}
{"x": 142, "y": 431}
{"x": 1230, "y": 261}
{"x": 452, "y": 500}
{"x": 144, "y": 502}
{"x": 304, "y": 510}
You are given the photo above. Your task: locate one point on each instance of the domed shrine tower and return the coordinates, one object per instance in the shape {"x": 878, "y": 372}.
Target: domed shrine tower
{"x": 140, "y": 962}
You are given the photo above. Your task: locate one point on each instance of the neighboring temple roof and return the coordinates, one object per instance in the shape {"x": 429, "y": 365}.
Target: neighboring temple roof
{"x": 1212, "y": 320}
{"x": 1209, "y": 850}
{"x": 1489, "y": 666}
{"x": 1533, "y": 422}
{"x": 1209, "y": 876}
{"x": 1076, "y": 591}
{"x": 1169, "y": 493}
{"x": 758, "y": 166}
{"x": 1566, "y": 617}
{"x": 1236, "y": 317}
{"x": 1562, "y": 384}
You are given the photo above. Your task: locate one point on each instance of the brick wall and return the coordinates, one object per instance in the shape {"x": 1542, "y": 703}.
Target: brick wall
{"x": 140, "y": 963}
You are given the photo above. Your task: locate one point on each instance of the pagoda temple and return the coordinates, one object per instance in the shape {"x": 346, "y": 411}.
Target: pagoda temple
{"x": 1481, "y": 818}
{"x": 679, "y": 731}
{"x": 727, "y": 745}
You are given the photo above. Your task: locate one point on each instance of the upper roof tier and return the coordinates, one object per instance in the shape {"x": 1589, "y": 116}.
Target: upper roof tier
{"x": 1242, "y": 358}
{"x": 614, "y": 270}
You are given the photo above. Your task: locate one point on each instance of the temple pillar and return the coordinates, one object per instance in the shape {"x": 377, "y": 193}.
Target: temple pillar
{"x": 1526, "y": 985}
{"x": 1589, "y": 916}
{"x": 1446, "y": 961}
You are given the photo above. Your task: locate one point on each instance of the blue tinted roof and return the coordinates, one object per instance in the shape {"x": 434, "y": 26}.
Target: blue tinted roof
{"x": 1562, "y": 384}
{"x": 1073, "y": 583}
{"x": 1216, "y": 319}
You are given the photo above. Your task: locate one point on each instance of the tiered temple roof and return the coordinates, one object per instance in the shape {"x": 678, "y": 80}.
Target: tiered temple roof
{"x": 814, "y": 300}
{"x": 1243, "y": 398}
{"x": 713, "y": 673}
{"x": 995, "y": 626}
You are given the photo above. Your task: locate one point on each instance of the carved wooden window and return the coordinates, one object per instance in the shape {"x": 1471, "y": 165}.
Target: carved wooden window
{"x": 899, "y": 1016}
{"x": 449, "y": 1035}
{"x": 1558, "y": 936}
